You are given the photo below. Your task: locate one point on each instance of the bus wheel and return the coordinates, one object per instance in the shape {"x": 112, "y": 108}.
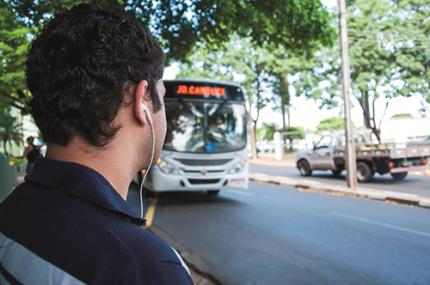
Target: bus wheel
{"x": 399, "y": 176}
{"x": 304, "y": 167}
{"x": 212, "y": 192}
{"x": 364, "y": 172}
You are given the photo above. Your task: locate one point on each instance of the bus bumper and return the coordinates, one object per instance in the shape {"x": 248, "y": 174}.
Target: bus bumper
{"x": 159, "y": 181}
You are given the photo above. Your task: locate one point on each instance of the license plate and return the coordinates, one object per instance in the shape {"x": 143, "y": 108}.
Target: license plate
{"x": 236, "y": 183}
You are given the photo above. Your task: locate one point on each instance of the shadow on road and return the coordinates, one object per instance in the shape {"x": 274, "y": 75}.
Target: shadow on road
{"x": 187, "y": 198}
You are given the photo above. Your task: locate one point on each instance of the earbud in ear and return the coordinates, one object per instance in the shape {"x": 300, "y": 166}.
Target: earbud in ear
{"x": 147, "y": 114}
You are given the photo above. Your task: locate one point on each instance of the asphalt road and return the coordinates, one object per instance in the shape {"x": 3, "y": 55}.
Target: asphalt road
{"x": 274, "y": 235}
{"x": 413, "y": 184}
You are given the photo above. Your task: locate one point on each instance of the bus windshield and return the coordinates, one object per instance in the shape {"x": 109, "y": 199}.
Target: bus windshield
{"x": 205, "y": 127}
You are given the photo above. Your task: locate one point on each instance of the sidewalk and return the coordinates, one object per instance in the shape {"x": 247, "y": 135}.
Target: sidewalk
{"x": 268, "y": 159}
{"x": 310, "y": 184}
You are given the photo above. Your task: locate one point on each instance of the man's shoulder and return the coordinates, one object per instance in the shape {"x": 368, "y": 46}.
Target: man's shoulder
{"x": 30, "y": 215}
{"x": 155, "y": 261}
{"x": 88, "y": 242}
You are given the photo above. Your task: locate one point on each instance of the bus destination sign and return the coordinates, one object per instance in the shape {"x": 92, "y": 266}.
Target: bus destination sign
{"x": 198, "y": 90}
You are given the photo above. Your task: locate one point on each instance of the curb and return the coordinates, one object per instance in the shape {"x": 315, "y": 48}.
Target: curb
{"x": 273, "y": 162}
{"x": 310, "y": 185}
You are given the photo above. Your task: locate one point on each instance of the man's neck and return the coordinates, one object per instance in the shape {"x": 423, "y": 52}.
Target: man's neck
{"x": 109, "y": 162}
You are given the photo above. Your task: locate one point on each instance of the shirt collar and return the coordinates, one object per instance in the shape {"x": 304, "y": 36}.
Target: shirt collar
{"x": 83, "y": 182}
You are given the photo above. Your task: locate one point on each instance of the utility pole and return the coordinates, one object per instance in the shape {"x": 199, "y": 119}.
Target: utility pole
{"x": 351, "y": 167}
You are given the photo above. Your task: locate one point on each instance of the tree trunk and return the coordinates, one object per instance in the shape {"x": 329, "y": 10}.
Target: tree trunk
{"x": 253, "y": 122}
{"x": 368, "y": 116}
{"x": 253, "y": 137}
{"x": 283, "y": 112}
{"x": 366, "y": 109}
{"x": 377, "y": 133}
{"x": 286, "y": 100}
{"x": 5, "y": 148}
{"x": 287, "y": 105}
{"x": 253, "y": 129}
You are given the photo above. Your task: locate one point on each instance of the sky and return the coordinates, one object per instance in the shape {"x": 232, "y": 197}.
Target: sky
{"x": 329, "y": 3}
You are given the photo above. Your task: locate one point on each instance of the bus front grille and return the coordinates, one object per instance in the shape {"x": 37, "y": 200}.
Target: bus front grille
{"x": 203, "y": 181}
{"x": 200, "y": 171}
{"x": 203, "y": 162}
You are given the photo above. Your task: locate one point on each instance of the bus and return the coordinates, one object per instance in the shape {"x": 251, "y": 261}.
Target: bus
{"x": 206, "y": 141}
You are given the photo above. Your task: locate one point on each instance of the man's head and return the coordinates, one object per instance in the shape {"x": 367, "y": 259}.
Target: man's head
{"x": 30, "y": 140}
{"x": 81, "y": 69}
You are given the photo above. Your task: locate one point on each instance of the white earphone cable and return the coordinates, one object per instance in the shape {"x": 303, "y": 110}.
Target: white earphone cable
{"x": 147, "y": 170}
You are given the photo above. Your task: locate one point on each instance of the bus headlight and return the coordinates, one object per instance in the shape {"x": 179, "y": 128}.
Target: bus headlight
{"x": 167, "y": 168}
{"x": 237, "y": 168}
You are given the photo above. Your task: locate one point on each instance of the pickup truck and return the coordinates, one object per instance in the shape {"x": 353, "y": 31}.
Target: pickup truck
{"x": 397, "y": 159}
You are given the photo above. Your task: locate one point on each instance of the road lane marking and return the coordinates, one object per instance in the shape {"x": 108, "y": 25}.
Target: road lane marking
{"x": 240, "y": 192}
{"x": 385, "y": 225}
{"x": 150, "y": 213}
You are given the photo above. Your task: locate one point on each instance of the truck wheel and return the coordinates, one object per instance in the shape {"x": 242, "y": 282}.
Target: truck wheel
{"x": 364, "y": 172}
{"x": 212, "y": 192}
{"x": 399, "y": 176}
{"x": 304, "y": 168}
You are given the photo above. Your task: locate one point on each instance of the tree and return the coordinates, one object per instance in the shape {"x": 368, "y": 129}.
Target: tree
{"x": 293, "y": 133}
{"x": 267, "y": 131}
{"x": 235, "y": 60}
{"x": 13, "y": 48}
{"x": 260, "y": 65}
{"x": 292, "y": 72}
{"x": 331, "y": 124}
{"x": 389, "y": 54}
{"x": 9, "y": 129}
{"x": 180, "y": 25}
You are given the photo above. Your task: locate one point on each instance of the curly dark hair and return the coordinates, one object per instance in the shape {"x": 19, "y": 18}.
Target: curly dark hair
{"x": 80, "y": 67}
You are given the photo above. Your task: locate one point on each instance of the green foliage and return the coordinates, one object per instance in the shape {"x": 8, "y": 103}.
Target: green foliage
{"x": 331, "y": 124}
{"x": 295, "y": 75}
{"x": 179, "y": 24}
{"x": 297, "y": 25}
{"x": 295, "y": 133}
{"x": 234, "y": 60}
{"x": 389, "y": 51}
{"x": 389, "y": 45}
{"x": 401, "y": 116}
{"x": 13, "y": 48}
{"x": 267, "y": 131}
{"x": 9, "y": 129}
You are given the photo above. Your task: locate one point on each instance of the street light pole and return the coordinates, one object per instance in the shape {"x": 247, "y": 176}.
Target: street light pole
{"x": 351, "y": 167}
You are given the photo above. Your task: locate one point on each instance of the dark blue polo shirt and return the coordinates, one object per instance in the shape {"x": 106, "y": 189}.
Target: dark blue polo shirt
{"x": 67, "y": 225}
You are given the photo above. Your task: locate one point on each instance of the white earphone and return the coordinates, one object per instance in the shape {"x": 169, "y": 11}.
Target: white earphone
{"x": 148, "y": 115}
{"x": 149, "y": 118}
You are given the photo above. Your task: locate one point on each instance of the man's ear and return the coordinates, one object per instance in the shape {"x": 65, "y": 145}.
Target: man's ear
{"x": 141, "y": 96}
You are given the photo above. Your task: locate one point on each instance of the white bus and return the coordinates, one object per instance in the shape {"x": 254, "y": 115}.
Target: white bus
{"x": 205, "y": 147}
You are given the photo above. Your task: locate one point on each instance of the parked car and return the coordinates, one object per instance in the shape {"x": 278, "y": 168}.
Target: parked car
{"x": 397, "y": 159}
